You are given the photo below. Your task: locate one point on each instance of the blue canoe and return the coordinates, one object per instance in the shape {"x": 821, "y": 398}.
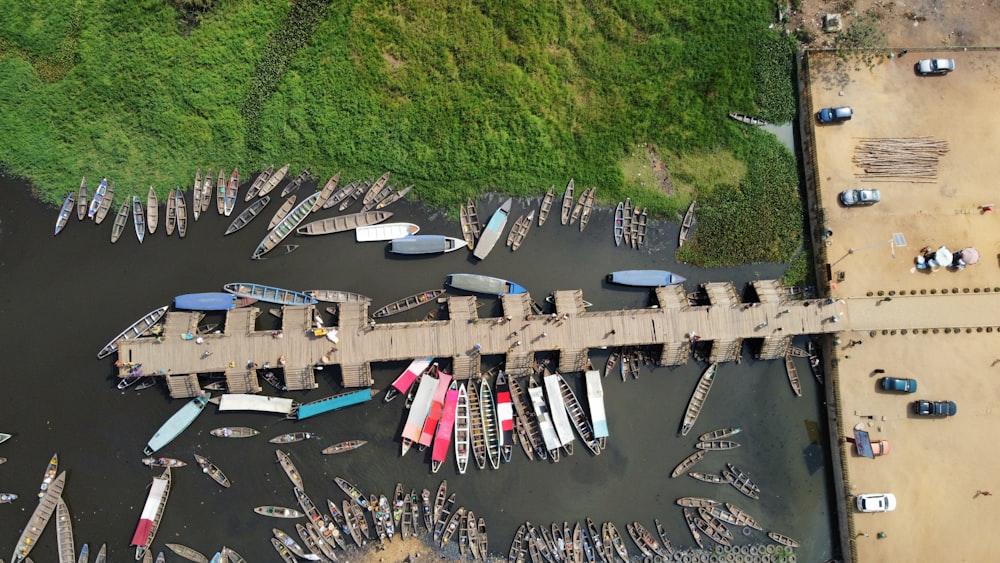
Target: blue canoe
{"x": 478, "y": 283}
{"x": 214, "y": 301}
{"x": 425, "y": 244}
{"x": 176, "y": 424}
{"x": 645, "y": 278}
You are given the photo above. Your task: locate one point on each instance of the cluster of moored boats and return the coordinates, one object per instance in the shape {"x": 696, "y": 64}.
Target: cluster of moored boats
{"x": 630, "y": 224}
{"x": 483, "y": 425}
{"x": 50, "y": 502}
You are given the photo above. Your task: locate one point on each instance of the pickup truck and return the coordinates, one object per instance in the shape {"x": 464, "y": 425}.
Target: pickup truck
{"x": 934, "y": 408}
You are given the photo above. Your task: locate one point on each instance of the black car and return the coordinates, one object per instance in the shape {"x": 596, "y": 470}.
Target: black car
{"x": 934, "y": 408}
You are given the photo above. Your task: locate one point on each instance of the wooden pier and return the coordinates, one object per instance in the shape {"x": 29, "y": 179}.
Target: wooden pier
{"x": 673, "y": 324}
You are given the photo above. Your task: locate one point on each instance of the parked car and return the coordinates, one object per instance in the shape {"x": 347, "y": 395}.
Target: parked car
{"x": 934, "y": 408}
{"x": 834, "y": 115}
{"x": 898, "y": 384}
{"x": 860, "y": 197}
{"x": 925, "y": 67}
{"x": 876, "y": 502}
{"x": 880, "y": 447}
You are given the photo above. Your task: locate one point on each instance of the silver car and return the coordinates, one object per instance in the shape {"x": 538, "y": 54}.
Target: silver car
{"x": 859, "y": 197}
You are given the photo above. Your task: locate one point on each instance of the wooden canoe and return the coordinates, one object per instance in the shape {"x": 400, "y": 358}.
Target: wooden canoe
{"x": 206, "y": 191}
{"x": 138, "y": 218}
{"x": 783, "y": 539}
{"x": 578, "y": 207}
{"x": 121, "y": 219}
{"x": 470, "y": 222}
{"x": 634, "y": 227}
{"x": 196, "y": 195}
{"x": 708, "y": 477}
{"x": 793, "y": 375}
{"x": 543, "y": 212}
{"x": 234, "y": 432}
{"x": 742, "y": 518}
{"x": 171, "y": 212}
{"x": 637, "y": 539}
{"x": 281, "y": 212}
{"x": 273, "y": 180}
{"x": 619, "y": 223}
{"x": 152, "y": 210}
{"x": 375, "y": 189}
{"x": 748, "y": 119}
{"x": 612, "y": 360}
{"x": 719, "y": 434}
{"x": 187, "y": 553}
{"x": 815, "y": 361}
{"x": 212, "y": 471}
{"x": 248, "y": 214}
{"x": 360, "y": 189}
{"x": 520, "y": 230}
{"x": 567, "y": 203}
{"x": 292, "y": 437}
{"x": 105, "y": 205}
{"x": 379, "y": 197}
{"x": 407, "y": 303}
{"x": 181, "y": 214}
{"x": 343, "y": 223}
{"x": 327, "y": 192}
{"x": 278, "y": 512}
{"x": 82, "y": 201}
{"x": 686, "y": 225}
{"x": 689, "y": 517}
{"x": 717, "y": 445}
{"x": 334, "y": 296}
{"x": 258, "y": 183}
{"x": 696, "y": 502}
{"x": 741, "y": 481}
{"x": 296, "y": 183}
{"x": 344, "y": 447}
{"x": 698, "y": 398}
{"x": 341, "y": 193}
{"x": 220, "y": 193}
{"x": 232, "y": 190}
{"x": 641, "y": 231}
{"x": 688, "y": 463}
{"x": 710, "y": 531}
{"x": 627, "y": 221}
{"x": 64, "y": 212}
{"x": 393, "y": 197}
{"x": 588, "y": 206}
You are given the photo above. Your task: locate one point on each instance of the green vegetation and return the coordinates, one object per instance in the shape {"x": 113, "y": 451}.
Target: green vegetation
{"x": 457, "y": 98}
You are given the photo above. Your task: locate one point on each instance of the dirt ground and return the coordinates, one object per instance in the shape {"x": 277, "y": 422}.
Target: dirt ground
{"x": 913, "y": 23}
{"x": 938, "y": 469}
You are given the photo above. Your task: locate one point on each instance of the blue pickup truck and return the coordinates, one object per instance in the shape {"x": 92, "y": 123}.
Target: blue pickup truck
{"x": 934, "y": 408}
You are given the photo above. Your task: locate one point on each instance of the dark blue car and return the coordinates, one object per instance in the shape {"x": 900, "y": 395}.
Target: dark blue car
{"x": 834, "y": 115}
{"x": 935, "y": 408}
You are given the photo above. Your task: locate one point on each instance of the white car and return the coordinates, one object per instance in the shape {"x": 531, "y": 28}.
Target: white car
{"x": 858, "y": 198}
{"x": 876, "y": 502}
{"x": 927, "y": 67}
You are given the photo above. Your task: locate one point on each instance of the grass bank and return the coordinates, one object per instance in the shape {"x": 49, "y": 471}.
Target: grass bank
{"x": 458, "y": 98}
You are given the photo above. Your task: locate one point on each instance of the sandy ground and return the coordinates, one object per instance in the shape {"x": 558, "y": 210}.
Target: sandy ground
{"x": 938, "y": 468}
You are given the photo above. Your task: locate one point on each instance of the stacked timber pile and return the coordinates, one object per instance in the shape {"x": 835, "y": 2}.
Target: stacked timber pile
{"x": 912, "y": 158}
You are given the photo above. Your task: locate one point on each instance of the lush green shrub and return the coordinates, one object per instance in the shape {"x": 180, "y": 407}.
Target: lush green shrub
{"x": 457, "y": 98}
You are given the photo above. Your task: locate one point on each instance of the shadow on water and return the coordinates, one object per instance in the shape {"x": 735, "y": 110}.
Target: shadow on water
{"x": 65, "y": 296}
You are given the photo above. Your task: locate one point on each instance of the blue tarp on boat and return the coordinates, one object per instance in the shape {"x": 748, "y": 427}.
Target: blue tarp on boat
{"x": 215, "y": 301}
{"x": 863, "y": 443}
{"x": 335, "y": 402}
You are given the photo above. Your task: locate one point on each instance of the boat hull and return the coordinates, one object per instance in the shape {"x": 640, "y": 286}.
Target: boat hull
{"x": 478, "y": 283}
{"x": 645, "y": 278}
{"x": 213, "y": 301}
